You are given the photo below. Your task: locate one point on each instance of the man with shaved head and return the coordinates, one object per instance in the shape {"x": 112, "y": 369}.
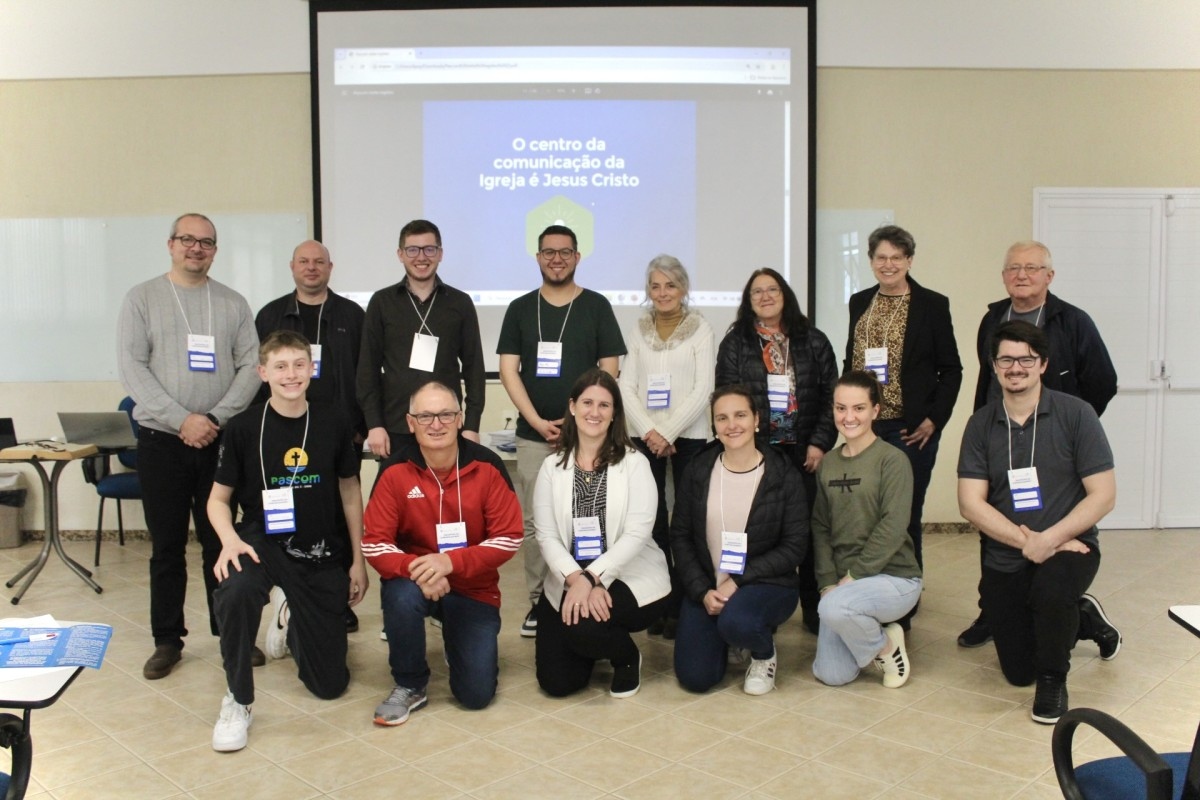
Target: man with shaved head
{"x": 333, "y": 326}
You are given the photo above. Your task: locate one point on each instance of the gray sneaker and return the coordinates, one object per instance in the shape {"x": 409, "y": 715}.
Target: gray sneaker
{"x": 399, "y": 704}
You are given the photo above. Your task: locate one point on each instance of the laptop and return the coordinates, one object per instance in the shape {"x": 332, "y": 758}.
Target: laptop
{"x": 109, "y": 430}
{"x": 8, "y": 435}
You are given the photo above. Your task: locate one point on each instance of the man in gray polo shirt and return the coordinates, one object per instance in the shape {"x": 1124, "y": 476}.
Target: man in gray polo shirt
{"x": 1035, "y": 475}
{"x": 187, "y": 353}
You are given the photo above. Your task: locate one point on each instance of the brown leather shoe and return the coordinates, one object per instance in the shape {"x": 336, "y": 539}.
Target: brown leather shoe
{"x": 159, "y": 665}
{"x": 257, "y": 657}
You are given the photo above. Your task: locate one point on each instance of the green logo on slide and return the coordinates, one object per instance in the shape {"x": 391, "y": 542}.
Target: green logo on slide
{"x": 558, "y": 210}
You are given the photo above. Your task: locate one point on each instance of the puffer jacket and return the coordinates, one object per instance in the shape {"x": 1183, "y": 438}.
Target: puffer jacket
{"x": 815, "y": 366}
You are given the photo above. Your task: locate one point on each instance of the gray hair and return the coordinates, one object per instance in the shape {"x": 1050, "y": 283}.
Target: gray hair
{"x": 1029, "y": 244}
{"x": 673, "y": 269}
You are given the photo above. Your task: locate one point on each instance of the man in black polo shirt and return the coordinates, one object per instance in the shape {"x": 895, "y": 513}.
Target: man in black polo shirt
{"x": 1035, "y": 475}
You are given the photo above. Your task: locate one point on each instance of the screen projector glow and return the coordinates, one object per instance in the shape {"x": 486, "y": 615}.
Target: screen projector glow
{"x": 647, "y": 130}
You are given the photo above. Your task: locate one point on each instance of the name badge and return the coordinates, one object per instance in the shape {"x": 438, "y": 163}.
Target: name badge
{"x": 733, "y": 552}
{"x": 876, "y": 361}
{"x": 777, "y": 392}
{"x": 451, "y": 536}
{"x": 279, "y": 511}
{"x": 201, "y": 353}
{"x": 549, "y": 359}
{"x": 424, "y": 352}
{"x": 588, "y": 542}
{"x": 1023, "y": 485}
{"x": 658, "y": 390}
{"x": 316, "y": 360}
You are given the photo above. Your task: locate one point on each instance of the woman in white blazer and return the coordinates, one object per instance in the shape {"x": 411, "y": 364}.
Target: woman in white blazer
{"x": 666, "y": 379}
{"x": 594, "y": 505}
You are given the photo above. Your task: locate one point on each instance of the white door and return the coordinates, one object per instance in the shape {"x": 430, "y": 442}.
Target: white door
{"x": 1129, "y": 258}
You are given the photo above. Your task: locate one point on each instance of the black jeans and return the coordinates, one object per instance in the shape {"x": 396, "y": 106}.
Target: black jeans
{"x": 316, "y": 595}
{"x": 810, "y": 595}
{"x": 176, "y": 480}
{"x": 565, "y": 654}
{"x": 1034, "y": 613}
{"x": 685, "y": 451}
{"x": 922, "y": 460}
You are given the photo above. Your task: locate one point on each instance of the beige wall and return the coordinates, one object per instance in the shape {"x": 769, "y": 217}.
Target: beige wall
{"x": 956, "y": 154}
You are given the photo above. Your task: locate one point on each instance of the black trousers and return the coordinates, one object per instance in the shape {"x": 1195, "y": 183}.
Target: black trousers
{"x": 176, "y": 480}
{"x": 1034, "y": 613}
{"x": 565, "y": 654}
{"x": 316, "y": 596}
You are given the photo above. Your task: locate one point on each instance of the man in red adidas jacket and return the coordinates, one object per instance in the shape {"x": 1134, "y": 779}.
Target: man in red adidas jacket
{"x": 439, "y": 524}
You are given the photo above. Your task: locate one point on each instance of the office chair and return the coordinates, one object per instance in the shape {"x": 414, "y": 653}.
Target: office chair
{"x": 15, "y": 737}
{"x": 1141, "y": 772}
{"x": 115, "y": 485}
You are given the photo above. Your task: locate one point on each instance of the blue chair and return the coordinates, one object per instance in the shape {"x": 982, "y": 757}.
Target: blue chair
{"x": 114, "y": 485}
{"x": 14, "y": 735}
{"x": 1141, "y": 772}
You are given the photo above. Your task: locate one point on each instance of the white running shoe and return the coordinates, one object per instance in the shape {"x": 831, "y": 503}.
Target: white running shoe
{"x": 233, "y": 726}
{"x": 281, "y": 615}
{"x": 760, "y": 678}
{"x": 894, "y": 666}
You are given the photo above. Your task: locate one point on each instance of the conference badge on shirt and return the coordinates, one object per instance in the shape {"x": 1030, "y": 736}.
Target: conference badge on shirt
{"x": 1023, "y": 485}
{"x": 201, "y": 353}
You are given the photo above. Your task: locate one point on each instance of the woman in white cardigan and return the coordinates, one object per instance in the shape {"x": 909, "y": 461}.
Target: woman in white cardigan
{"x": 666, "y": 380}
{"x": 593, "y": 507}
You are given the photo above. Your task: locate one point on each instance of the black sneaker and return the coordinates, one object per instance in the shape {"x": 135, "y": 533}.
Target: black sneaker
{"x": 351, "y": 620}
{"x": 812, "y": 620}
{"x": 1102, "y": 631}
{"x": 627, "y": 680}
{"x": 979, "y": 634}
{"x": 529, "y": 626}
{"x": 1050, "y": 699}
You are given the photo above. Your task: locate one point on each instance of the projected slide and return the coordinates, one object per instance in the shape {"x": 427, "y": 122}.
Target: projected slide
{"x": 503, "y": 171}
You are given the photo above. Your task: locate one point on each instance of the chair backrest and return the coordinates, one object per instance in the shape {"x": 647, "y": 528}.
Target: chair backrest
{"x": 128, "y": 458}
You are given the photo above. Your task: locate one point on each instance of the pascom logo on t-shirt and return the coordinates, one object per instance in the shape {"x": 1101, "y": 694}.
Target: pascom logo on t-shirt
{"x": 295, "y": 462}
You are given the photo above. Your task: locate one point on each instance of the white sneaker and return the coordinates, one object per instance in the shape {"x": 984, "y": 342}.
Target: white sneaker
{"x": 737, "y": 656}
{"x": 894, "y": 666}
{"x": 281, "y": 615}
{"x": 760, "y": 678}
{"x": 383, "y": 635}
{"x": 229, "y": 734}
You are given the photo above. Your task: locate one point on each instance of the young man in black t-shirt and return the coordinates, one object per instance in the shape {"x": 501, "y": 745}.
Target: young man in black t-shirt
{"x": 290, "y": 464}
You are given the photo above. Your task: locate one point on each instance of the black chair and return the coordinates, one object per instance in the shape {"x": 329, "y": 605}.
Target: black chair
{"x": 1141, "y": 772}
{"x": 14, "y": 736}
{"x": 115, "y": 485}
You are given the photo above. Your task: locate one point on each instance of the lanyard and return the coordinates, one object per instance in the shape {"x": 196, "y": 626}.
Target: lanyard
{"x": 320, "y": 312}
{"x": 1033, "y": 444}
{"x": 262, "y": 427}
{"x": 564, "y": 325}
{"x": 891, "y": 319}
{"x": 601, "y": 483}
{"x": 182, "y": 313}
{"x": 428, "y": 311}
{"x": 442, "y": 491}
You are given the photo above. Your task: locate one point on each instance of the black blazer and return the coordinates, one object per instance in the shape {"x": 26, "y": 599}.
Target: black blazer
{"x": 931, "y": 371}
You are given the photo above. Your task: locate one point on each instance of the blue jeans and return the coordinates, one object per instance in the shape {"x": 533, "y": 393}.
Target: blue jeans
{"x": 921, "y": 459}
{"x": 852, "y": 617}
{"x": 702, "y": 641}
{"x": 685, "y": 451}
{"x": 469, "y": 631}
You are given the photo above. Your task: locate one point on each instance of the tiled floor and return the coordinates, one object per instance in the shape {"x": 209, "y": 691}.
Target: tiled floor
{"x": 957, "y": 730}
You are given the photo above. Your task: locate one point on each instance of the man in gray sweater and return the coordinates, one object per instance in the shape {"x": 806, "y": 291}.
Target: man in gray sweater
{"x": 187, "y": 351}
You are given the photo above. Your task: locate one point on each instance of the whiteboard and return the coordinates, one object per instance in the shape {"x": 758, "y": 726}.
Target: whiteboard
{"x": 62, "y": 282}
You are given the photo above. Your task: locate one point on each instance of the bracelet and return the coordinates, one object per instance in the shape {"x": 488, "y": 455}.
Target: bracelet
{"x": 589, "y": 577}
{"x": 213, "y": 419}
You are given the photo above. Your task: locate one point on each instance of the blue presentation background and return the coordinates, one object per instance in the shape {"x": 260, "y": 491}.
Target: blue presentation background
{"x": 484, "y": 231}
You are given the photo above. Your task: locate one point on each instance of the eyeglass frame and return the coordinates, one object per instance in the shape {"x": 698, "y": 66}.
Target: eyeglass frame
{"x": 565, "y": 253}
{"x": 206, "y": 243}
{"x": 1033, "y": 361}
{"x": 430, "y": 416}
{"x": 1028, "y": 269}
{"x": 421, "y": 249}
{"x": 769, "y": 291}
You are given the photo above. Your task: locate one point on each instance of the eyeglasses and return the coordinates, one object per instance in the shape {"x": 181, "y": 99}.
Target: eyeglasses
{"x": 1029, "y": 269}
{"x": 192, "y": 241}
{"x": 1004, "y": 362}
{"x": 549, "y": 253}
{"x": 425, "y": 419}
{"x": 893, "y": 260}
{"x": 412, "y": 251}
{"x": 770, "y": 291}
